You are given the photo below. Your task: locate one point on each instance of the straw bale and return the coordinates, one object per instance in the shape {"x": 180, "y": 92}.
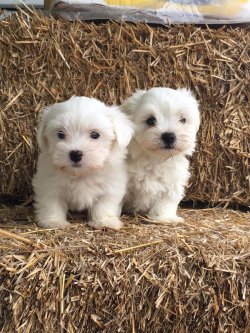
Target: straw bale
{"x": 186, "y": 277}
{"x": 44, "y": 60}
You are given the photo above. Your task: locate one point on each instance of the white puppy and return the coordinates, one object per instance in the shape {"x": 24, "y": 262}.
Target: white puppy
{"x": 166, "y": 122}
{"x": 82, "y": 163}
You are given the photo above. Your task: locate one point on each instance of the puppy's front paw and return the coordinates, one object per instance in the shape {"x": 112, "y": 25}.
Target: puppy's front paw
{"x": 51, "y": 224}
{"x": 174, "y": 219}
{"x": 110, "y": 223}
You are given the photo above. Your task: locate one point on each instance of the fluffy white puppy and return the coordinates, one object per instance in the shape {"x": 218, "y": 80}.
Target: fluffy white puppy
{"x": 166, "y": 122}
{"x": 82, "y": 163}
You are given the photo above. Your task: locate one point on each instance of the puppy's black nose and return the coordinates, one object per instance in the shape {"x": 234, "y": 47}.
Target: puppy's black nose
{"x": 169, "y": 139}
{"x": 75, "y": 155}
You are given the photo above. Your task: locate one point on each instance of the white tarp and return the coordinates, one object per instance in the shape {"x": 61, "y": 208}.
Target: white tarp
{"x": 156, "y": 11}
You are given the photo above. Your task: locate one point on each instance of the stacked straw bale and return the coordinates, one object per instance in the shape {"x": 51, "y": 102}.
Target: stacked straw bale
{"x": 45, "y": 61}
{"x": 190, "y": 277}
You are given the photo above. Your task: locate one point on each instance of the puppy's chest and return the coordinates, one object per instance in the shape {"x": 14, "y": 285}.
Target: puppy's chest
{"x": 155, "y": 179}
{"x": 148, "y": 179}
{"x": 80, "y": 194}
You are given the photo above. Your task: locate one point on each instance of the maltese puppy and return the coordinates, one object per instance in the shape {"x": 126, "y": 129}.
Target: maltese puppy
{"x": 166, "y": 122}
{"x": 82, "y": 163}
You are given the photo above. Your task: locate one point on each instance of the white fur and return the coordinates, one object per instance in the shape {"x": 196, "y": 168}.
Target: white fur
{"x": 98, "y": 182}
{"x": 157, "y": 176}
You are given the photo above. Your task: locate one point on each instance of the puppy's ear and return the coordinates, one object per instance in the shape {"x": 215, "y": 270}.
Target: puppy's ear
{"x": 123, "y": 127}
{"x": 42, "y": 140}
{"x": 130, "y": 104}
{"x": 194, "y": 105}
{"x": 186, "y": 92}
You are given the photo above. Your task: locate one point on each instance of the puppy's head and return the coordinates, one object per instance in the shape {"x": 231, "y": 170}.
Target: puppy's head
{"x": 166, "y": 120}
{"x": 79, "y": 134}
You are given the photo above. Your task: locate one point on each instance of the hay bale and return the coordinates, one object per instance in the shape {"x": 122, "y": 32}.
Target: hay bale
{"x": 45, "y": 61}
{"x": 186, "y": 277}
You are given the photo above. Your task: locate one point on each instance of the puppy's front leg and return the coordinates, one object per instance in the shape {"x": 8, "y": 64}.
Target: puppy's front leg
{"x": 106, "y": 214}
{"x": 51, "y": 213}
{"x": 165, "y": 210}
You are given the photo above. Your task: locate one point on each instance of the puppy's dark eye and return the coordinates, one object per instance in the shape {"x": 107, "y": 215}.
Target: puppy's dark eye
{"x": 182, "y": 120}
{"x": 61, "y": 135}
{"x": 151, "y": 121}
{"x": 94, "y": 135}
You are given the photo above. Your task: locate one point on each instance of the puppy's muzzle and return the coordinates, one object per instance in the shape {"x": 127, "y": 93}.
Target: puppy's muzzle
{"x": 76, "y": 156}
{"x": 168, "y": 139}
